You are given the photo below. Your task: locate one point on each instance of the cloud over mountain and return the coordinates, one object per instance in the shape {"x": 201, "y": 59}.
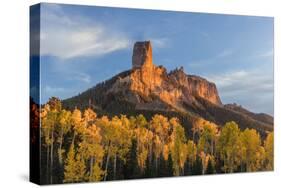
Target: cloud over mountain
{"x": 69, "y": 36}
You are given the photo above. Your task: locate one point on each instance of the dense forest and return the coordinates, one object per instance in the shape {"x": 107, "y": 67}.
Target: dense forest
{"x": 82, "y": 146}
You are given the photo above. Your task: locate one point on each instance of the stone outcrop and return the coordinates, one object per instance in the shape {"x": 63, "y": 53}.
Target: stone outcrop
{"x": 149, "y": 89}
{"x": 175, "y": 88}
{"x": 142, "y": 55}
{"x": 203, "y": 88}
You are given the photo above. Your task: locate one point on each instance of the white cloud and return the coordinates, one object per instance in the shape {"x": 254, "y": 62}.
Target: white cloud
{"x": 53, "y": 90}
{"x": 214, "y": 59}
{"x": 253, "y": 89}
{"x": 82, "y": 77}
{"x": 228, "y": 79}
{"x": 66, "y": 36}
{"x": 243, "y": 81}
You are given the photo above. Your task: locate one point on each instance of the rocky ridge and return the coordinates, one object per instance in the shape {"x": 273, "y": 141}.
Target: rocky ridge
{"x": 149, "y": 85}
{"x": 149, "y": 89}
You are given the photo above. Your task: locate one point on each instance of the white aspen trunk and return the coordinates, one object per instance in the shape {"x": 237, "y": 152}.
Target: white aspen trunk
{"x": 60, "y": 148}
{"x": 91, "y": 167}
{"x": 73, "y": 139}
{"x": 107, "y": 161}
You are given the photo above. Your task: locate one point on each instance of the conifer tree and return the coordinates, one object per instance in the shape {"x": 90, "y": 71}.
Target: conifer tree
{"x": 170, "y": 165}
{"x": 210, "y": 167}
{"x": 131, "y": 169}
{"x": 198, "y": 168}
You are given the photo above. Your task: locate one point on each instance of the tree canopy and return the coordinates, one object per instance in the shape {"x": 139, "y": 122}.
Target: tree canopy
{"x": 80, "y": 146}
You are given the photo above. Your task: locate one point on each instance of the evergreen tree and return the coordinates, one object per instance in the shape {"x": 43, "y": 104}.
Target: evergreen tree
{"x": 131, "y": 168}
{"x": 210, "y": 167}
{"x": 149, "y": 169}
{"x": 198, "y": 168}
{"x": 107, "y": 148}
{"x": 163, "y": 167}
{"x": 170, "y": 165}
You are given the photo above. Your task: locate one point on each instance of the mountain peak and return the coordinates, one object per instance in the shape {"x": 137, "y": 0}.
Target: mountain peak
{"x": 149, "y": 88}
{"x": 142, "y": 54}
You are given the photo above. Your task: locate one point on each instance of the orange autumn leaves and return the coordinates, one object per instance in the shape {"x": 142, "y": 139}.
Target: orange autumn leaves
{"x": 87, "y": 147}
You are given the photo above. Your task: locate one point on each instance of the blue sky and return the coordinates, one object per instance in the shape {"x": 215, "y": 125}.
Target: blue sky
{"x": 84, "y": 45}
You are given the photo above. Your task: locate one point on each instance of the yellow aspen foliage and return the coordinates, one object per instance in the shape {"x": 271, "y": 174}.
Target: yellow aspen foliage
{"x": 191, "y": 152}
{"x": 77, "y": 123}
{"x": 97, "y": 173}
{"x": 101, "y": 148}
{"x": 89, "y": 116}
{"x": 166, "y": 152}
{"x": 253, "y": 151}
{"x": 80, "y": 168}
{"x": 269, "y": 151}
{"x": 229, "y": 147}
{"x": 70, "y": 166}
{"x": 178, "y": 147}
{"x": 144, "y": 143}
{"x": 75, "y": 167}
{"x": 64, "y": 126}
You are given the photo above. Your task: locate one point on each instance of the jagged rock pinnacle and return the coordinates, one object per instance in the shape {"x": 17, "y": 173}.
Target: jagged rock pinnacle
{"x": 142, "y": 54}
{"x": 174, "y": 88}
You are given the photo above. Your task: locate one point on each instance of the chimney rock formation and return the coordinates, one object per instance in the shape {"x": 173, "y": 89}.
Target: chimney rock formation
{"x": 174, "y": 88}
{"x": 142, "y": 54}
{"x": 150, "y": 89}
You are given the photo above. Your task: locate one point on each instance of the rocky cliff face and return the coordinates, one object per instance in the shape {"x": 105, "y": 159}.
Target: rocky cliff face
{"x": 151, "y": 84}
{"x": 149, "y": 89}
{"x": 142, "y": 54}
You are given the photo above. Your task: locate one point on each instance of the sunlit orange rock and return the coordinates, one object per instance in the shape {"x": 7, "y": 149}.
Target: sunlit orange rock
{"x": 174, "y": 88}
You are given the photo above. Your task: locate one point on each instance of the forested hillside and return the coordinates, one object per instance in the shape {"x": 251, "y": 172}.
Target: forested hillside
{"x": 78, "y": 146}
